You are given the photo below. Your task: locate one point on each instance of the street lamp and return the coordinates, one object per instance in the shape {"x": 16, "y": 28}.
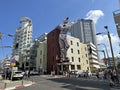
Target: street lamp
{"x": 106, "y": 52}
{"x": 104, "y": 56}
{"x": 105, "y": 48}
{"x": 108, "y": 34}
{"x": 103, "y": 52}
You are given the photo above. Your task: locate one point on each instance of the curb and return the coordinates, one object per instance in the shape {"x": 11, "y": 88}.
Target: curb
{"x": 19, "y": 86}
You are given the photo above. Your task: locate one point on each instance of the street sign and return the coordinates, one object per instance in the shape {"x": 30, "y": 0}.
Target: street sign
{"x": 13, "y": 62}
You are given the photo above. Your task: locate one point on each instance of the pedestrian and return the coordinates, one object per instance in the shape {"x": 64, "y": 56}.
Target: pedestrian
{"x": 29, "y": 74}
{"x": 97, "y": 75}
{"x": 112, "y": 80}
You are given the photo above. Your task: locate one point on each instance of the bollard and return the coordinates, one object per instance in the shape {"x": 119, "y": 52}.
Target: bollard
{"x": 32, "y": 79}
{"x": 22, "y": 82}
{"x": 5, "y": 85}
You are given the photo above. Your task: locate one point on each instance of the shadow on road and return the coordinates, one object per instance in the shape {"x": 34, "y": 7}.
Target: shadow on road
{"x": 81, "y": 84}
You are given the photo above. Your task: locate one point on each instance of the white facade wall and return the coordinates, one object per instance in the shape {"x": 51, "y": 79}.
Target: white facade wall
{"x": 23, "y": 36}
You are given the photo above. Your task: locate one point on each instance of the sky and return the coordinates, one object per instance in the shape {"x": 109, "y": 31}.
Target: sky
{"x": 47, "y": 14}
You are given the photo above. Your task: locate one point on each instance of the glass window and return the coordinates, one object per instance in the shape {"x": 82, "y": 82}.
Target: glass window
{"x": 78, "y": 59}
{"x": 78, "y": 67}
{"x": 71, "y": 42}
{"x": 71, "y": 50}
{"x": 72, "y": 59}
{"x": 78, "y": 51}
{"x": 87, "y": 61}
{"x": 77, "y": 43}
{"x": 72, "y": 67}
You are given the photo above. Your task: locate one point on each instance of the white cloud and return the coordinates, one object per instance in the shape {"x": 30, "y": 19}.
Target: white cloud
{"x": 115, "y": 43}
{"x": 94, "y": 15}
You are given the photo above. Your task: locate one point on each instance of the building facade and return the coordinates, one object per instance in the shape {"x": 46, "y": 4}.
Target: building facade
{"x": 84, "y": 29}
{"x": 22, "y": 42}
{"x": 78, "y": 55}
{"x": 23, "y": 36}
{"x": 53, "y": 51}
{"x": 41, "y": 58}
{"x": 93, "y": 57}
{"x": 116, "y": 15}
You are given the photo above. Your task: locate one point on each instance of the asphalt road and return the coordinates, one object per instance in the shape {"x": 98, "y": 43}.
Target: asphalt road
{"x": 48, "y": 83}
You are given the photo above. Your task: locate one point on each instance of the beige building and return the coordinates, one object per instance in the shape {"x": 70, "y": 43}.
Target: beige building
{"x": 78, "y": 55}
{"x": 41, "y": 59}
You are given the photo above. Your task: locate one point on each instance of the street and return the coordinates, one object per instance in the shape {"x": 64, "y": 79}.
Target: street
{"x": 50, "y": 83}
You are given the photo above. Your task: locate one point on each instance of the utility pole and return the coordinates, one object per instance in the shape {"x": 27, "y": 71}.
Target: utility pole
{"x": 108, "y": 33}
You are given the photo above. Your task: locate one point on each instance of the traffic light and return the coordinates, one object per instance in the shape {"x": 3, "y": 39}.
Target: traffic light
{"x": 0, "y": 35}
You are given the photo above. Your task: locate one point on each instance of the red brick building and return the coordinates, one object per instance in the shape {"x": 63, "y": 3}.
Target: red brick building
{"x": 53, "y": 51}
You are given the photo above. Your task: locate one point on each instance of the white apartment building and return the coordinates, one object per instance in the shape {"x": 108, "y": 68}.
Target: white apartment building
{"x": 23, "y": 36}
{"x": 22, "y": 41}
{"x": 93, "y": 57}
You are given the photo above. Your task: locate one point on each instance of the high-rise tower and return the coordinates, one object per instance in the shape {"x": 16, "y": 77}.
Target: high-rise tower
{"x": 84, "y": 30}
{"x": 23, "y": 36}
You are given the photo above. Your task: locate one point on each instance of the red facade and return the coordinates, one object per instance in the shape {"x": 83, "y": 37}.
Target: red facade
{"x": 53, "y": 50}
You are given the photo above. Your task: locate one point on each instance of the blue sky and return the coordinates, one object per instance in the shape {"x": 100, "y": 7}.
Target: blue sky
{"x": 47, "y": 14}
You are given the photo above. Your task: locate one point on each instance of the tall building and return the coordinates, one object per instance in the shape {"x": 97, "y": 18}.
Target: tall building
{"x": 23, "y": 36}
{"x": 22, "y": 42}
{"x": 116, "y": 15}
{"x": 84, "y": 30}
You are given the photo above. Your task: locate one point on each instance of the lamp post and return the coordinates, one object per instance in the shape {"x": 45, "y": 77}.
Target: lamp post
{"x": 104, "y": 56}
{"x": 103, "y": 52}
{"x": 106, "y": 52}
{"x": 108, "y": 33}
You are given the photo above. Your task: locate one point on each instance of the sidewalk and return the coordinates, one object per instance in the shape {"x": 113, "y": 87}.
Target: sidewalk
{"x": 10, "y": 85}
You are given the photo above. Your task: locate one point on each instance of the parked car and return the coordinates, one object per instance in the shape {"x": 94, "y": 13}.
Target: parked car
{"x": 34, "y": 73}
{"x": 82, "y": 74}
{"x": 18, "y": 75}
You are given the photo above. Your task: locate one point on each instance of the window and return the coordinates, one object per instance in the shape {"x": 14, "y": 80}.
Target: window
{"x": 72, "y": 67}
{"x": 78, "y": 51}
{"x": 86, "y": 55}
{"x": 71, "y": 42}
{"x": 78, "y": 59}
{"x": 72, "y": 59}
{"x": 40, "y": 61}
{"x": 87, "y": 68}
{"x": 71, "y": 50}
{"x": 41, "y": 52}
{"x": 78, "y": 67}
{"x": 87, "y": 61}
{"x": 77, "y": 43}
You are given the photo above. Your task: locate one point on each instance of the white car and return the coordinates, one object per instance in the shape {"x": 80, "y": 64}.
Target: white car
{"x": 18, "y": 75}
{"x": 34, "y": 73}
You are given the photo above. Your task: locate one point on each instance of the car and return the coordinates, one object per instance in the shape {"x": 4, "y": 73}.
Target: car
{"x": 34, "y": 73}
{"x": 82, "y": 74}
{"x": 18, "y": 75}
